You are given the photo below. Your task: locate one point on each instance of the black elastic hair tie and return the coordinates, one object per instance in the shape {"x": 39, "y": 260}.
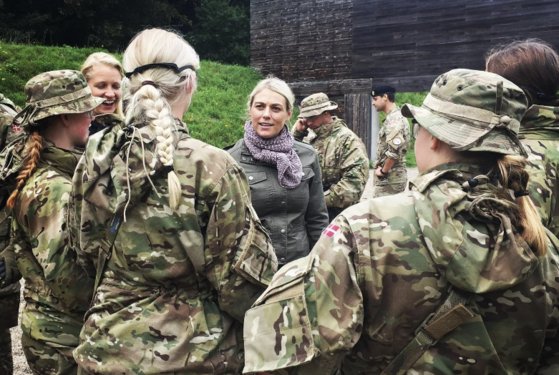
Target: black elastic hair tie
{"x": 151, "y": 83}
{"x": 473, "y": 182}
{"x": 172, "y": 66}
{"x": 521, "y": 193}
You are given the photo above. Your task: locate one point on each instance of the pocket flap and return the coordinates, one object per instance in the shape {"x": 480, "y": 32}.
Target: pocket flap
{"x": 256, "y": 177}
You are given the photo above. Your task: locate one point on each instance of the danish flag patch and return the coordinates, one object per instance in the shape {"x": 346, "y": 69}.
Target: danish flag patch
{"x": 331, "y": 230}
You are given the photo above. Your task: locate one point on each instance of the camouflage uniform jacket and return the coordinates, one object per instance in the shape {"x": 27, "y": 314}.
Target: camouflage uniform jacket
{"x": 393, "y": 141}
{"x": 177, "y": 284}
{"x": 343, "y": 161}
{"x": 57, "y": 291}
{"x": 539, "y": 133}
{"x": 294, "y": 217}
{"x": 8, "y": 132}
{"x": 384, "y": 265}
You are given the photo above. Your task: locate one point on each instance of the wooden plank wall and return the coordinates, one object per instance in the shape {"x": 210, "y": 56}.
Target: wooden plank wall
{"x": 301, "y": 40}
{"x": 407, "y": 43}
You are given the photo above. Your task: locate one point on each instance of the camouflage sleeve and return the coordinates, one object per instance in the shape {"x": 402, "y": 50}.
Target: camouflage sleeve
{"x": 41, "y": 215}
{"x": 240, "y": 260}
{"x": 311, "y": 315}
{"x": 298, "y": 135}
{"x": 316, "y": 216}
{"x": 354, "y": 174}
{"x": 549, "y": 361}
{"x": 543, "y": 162}
{"x": 396, "y": 138}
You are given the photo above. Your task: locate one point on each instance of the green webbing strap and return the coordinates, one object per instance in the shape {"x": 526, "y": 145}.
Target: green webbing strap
{"x": 103, "y": 256}
{"x": 450, "y": 315}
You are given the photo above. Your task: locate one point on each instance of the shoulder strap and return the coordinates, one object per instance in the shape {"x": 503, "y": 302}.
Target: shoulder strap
{"x": 450, "y": 315}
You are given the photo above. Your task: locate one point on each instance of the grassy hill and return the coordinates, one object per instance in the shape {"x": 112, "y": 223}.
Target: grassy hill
{"x": 218, "y": 108}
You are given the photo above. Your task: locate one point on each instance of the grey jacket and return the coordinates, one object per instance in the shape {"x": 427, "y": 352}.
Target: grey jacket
{"x": 294, "y": 218}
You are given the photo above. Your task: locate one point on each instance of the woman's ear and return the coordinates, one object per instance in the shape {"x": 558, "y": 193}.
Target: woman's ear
{"x": 434, "y": 143}
{"x": 189, "y": 86}
{"x": 65, "y": 120}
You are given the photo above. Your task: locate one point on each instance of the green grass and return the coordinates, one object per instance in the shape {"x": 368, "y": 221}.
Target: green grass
{"x": 218, "y": 109}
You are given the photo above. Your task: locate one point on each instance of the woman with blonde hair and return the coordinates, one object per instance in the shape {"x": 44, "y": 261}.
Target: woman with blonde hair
{"x": 456, "y": 276}
{"x": 104, "y": 75}
{"x": 283, "y": 174}
{"x": 57, "y": 292}
{"x": 164, "y": 222}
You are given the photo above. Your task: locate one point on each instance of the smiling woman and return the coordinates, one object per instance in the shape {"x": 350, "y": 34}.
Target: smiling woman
{"x": 104, "y": 75}
{"x": 283, "y": 174}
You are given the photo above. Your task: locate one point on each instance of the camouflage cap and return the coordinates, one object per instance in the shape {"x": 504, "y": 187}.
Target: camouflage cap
{"x": 55, "y": 93}
{"x": 315, "y": 104}
{"x": 473, "y": 110}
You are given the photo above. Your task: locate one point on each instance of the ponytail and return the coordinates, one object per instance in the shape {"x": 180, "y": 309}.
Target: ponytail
{"x": 149, "y": 103}
{"x": 32, "y": 153}
{"x": 514, "y": 176}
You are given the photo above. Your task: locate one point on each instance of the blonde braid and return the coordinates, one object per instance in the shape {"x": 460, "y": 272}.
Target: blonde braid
{"x": 32, "y": 153}
{"x": 515, "y": 177}
{"x": 158, "y": 115}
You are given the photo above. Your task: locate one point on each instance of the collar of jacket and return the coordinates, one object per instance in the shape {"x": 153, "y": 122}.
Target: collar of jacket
{"x": 326, "y": 129}
{"x": 452, "y": 171}
{"x": 63, "y": 160}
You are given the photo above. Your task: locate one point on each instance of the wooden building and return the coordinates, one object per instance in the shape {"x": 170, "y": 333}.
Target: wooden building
{"x": 341, "y": 46}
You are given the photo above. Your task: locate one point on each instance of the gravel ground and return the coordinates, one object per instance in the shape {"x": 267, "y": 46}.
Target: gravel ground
{"x": 20, "y": 364}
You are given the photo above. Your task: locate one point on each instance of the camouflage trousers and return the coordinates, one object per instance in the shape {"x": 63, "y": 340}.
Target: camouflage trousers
{"x": 6, "y": 362}
{"x": 394, "y": 183}
{"x": 46, "y": 359}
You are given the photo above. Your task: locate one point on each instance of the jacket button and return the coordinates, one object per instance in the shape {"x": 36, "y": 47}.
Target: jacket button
{"x": 250, "y": 178}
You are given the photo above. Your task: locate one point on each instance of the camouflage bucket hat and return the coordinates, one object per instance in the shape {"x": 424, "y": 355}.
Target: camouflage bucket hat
{"x": 55, "y": 93}
{"x": 473, "y": 110}
{"x": 315, "y": 104}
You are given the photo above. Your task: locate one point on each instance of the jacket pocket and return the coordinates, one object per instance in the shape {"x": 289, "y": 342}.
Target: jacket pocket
{"x": 256, "y": 177}
{"x": 282, "y": 318}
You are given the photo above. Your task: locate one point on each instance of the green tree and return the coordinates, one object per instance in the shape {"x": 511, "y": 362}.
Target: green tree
{"x": 221, "y": 30}
{"x": 218, "y": 29}
{"x": 108, "y": 24}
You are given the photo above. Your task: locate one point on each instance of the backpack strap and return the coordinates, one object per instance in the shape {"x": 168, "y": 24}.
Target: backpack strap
{"x": 450, "y": 315}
